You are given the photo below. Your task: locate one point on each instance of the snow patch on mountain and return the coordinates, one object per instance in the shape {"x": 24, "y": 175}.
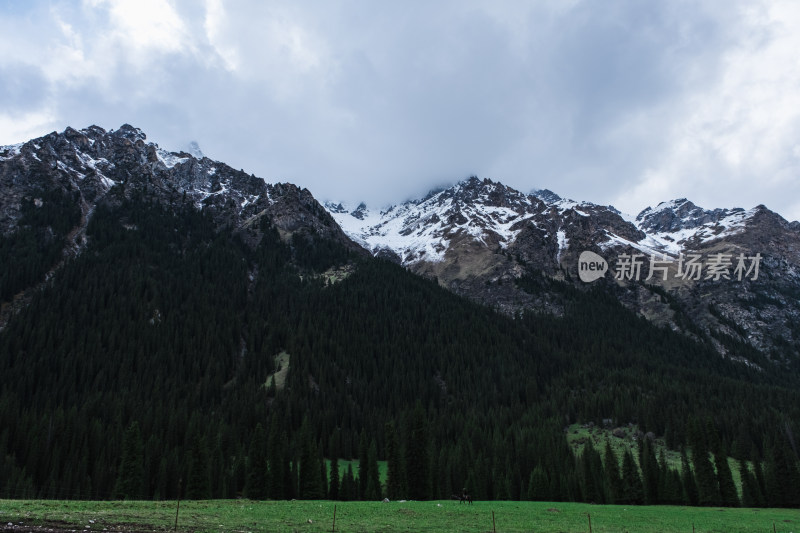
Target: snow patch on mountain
{"x": 170, "y": 159}
{"x": 10, "y": 151}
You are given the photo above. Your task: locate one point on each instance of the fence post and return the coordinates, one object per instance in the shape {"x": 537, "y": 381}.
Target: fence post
{"x": 589, "y": 516}
{"x": 494, "y": 527}
{"x": 334, "y": 519}
{"x": 179, "y": 503}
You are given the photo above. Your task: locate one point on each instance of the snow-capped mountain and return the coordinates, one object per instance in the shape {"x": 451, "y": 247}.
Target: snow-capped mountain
{"x": 109, "y": 166}
{"x": 487, "y": 241}
{"x": 91, "y": 167}
{"x": 731, "y": 276}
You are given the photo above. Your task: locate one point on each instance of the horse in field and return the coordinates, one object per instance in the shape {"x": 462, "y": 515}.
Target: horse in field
{"x": 463, "y": 498}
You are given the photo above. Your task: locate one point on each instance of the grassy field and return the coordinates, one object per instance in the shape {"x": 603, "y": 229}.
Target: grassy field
{"x": 442, "y": 516}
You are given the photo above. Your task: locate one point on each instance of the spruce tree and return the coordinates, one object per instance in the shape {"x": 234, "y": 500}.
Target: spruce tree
{"x": 781, "y": 477}
{"x": 751, "y": 493}
{"x": 394, "y": 482}
{"x": 349, "y": 490}
{"x": 612, "y": 477}
{"x": 707, "y": 484}
{"x": 539, "y": 486}
{"x": 650, "y": 471}
{"x": 727, "y": 488}
{"x": 591, "y": 475}
{"x": 333, "y": 490}
{"x": 632, "y": 488}
{"x": 310, "y": 475}
{"x": 417, "y": 456}
{"x": 130, "y": 479}
{"x": 373, "y": 489}
{"x": 363, "y": 465}
{"x": 688, "y": 481}
{"x": 198, "y": 484}
{"x": 257, "y": 481}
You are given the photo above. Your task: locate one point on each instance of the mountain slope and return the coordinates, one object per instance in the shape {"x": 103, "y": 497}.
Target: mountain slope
{"x": 75, "y": 171}
{"x": 484, "y": 240}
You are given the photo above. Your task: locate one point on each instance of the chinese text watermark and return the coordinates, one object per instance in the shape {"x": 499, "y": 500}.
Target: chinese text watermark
{"x": 713, "y": 267}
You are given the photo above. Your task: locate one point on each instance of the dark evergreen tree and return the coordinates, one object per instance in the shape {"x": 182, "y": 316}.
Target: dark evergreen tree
{"x": 373, "y": 489}
{"x": 707, "y": 484}
{"x": 417, "y": 456}
{"x": 650, "y": 471}
{"x": 751, "y": 493}
{"x": 310, "y": 484}
{"x": 690, "y": 491}
{"x": 349, "y": 490}
{"x": 257, "y": 487}
{"x": 781, "y": 477}
{"x": 727, "y": 488}
{"x": 539, "y": 485}
{"x": 130, "y": 479}
{"x": 278, "y": 449}
{"x": 394, "y": 483}
{"x": 611, "y": 476}
{"x": 333, "y": 490}
{"x": 591, "y": 469}
{"x": 198, "y": 483}
{"x": 632, "y": 488}
{"x": 363, "y": 466}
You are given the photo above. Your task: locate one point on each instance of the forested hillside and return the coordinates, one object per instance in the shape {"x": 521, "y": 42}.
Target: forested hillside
{"x": 147, "y": 368}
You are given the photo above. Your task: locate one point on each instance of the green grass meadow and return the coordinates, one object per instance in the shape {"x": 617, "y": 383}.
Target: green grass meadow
{"x": 440, "y": 516}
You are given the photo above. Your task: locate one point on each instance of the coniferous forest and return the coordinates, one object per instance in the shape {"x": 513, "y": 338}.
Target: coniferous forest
{"x": 173, "y": 359}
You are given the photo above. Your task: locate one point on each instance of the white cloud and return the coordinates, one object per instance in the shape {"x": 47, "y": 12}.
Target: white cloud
{"x": 621, "y": 102}
{"x": 733, "y": 141}
{"x": 15, "y": 127}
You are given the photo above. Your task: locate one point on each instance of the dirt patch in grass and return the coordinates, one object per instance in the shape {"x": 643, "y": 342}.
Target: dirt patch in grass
{"x": 59, "y": 526}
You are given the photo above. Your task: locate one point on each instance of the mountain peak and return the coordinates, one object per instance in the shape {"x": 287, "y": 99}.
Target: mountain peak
{"x": 129, "y": 132}
{"x": 546, "y": 195}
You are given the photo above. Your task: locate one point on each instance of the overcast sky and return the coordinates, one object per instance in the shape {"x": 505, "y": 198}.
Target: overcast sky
{"x": 616, "y": 102}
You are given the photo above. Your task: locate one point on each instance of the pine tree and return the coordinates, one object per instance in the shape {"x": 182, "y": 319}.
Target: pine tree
{"x": 591, "y": 475}
{"x": 417, "y": 456}
{"x": 751, "y": 493}
{"x": 198, "y": 484}
{"x": 333, "y": 491}
{"x": 349, "y": 490}
{"x": 707, "y": 484}
{"x": 632, "y": 488}
{"x": 539, "y": 486}
{"x": 257, "y": 481}
{"x": 394, "y": 468}
{"x": 373, "y": 490}
{"x": 727, "y": 488}
{"x": 688, "y": 481}
{"x": 781, "y": 477}
{"x": 363, "y": 466}
{"x": 278, "y": 447}
{"x": 650, "y": 471}
{"x": 130, "y": 480}
{"x": 612, "y": 476}
{"x": 310, "y": 480}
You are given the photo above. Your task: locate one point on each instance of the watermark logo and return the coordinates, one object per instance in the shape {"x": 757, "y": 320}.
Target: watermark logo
{"x": 629, "y": 267}
{"x": 591, "y": 266}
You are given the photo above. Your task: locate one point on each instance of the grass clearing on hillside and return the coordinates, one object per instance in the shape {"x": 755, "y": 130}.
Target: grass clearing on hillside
{"x": 578, "y": 435}
{"x": 440, "y": 516}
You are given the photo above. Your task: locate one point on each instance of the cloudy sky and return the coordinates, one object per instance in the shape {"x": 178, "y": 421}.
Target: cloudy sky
{"x": 617, "y": 102}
